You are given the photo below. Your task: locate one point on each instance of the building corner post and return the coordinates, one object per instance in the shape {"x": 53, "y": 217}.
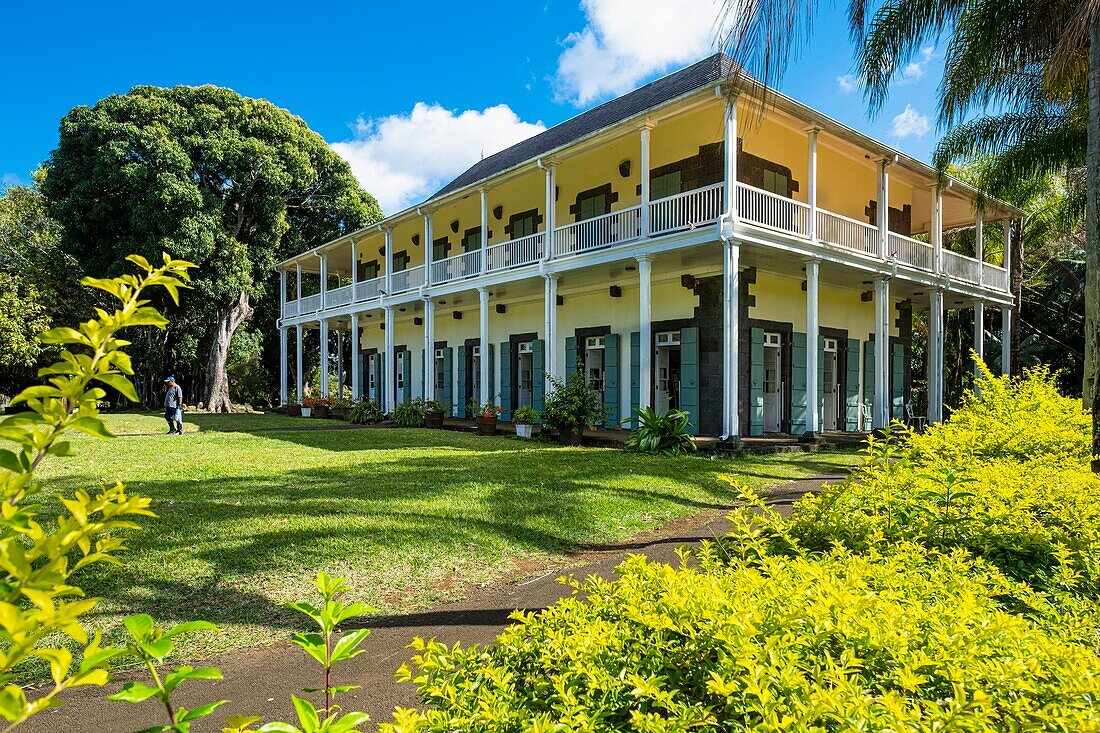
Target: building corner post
{"x": 1006, "y": 341}
{"x": 550, "y": 355}
{"x": 813, "y": 399}
{"x": 644, "y": 224}
{"x": 882, "y": 354}
{"x": 935, "y": 356}
{"x": 811, "y": 178}
{"x": 390, "y": 361}
{"x": 429, "y": 348}
{"x": 731, "y": 282}
{"x": 324, "y": 357}
{"x": 355, "y": 347}
{"x": 298, "y": 386}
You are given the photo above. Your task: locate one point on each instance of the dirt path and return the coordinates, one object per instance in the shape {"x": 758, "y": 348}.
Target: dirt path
{"x": 259, "y": 680}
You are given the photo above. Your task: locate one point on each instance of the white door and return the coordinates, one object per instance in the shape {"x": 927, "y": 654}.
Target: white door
{"x": 831, "y": 389}
{"x": 440, "y": 374}
{"x": 525, "y": 369}
{"x": 773, "y": 383}
{"x": 593, "y": 363}
{"x": 372, "y": 387}
{"x": 667, "y": 362}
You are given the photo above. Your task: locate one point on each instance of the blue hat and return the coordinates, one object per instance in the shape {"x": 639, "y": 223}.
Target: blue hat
{"x": 169, "y": 379}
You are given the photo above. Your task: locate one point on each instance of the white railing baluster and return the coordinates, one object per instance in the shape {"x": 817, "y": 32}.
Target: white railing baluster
{"x": 600, "y": 231}
{"x": 686, "y": 210}
{"x": 457, "y": 267}
{"x": 517, "y": 252}
{"x": 846, "y": 233}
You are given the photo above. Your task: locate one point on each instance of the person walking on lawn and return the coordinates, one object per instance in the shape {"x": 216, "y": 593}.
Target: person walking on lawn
{"x": 173, "y": 406}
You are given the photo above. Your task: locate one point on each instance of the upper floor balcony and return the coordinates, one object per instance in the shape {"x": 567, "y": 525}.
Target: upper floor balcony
{"x": 801, "y": 181}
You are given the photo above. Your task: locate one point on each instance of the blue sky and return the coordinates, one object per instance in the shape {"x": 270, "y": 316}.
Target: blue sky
{"x": 410, "y": 93}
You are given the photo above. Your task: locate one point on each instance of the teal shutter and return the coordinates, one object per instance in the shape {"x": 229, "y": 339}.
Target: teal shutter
{"x": 460, "y": 386}
{"x": 851, "y": 387}
{"x": 635, "y": 369}
{"x": 424, "y": 376}
{"x": 611, "y": 379}
{"x": 538, "y": 374}
{"x": 406, "y": 375}
{"x": 448, "y": 377}
{"x": 756, "y": 382}
{"x": 868, "y": 385}
{"x": 570, "y": 356}
{"x": 689, "y": 377}
{"x": 377, "y": 368}
{"x": 506, "y": 379}
{"x": 798, "y": 383}
{"x": 493, "y": 396}
{"x": 898, "y": 393}
{"x": 382, "y": 379}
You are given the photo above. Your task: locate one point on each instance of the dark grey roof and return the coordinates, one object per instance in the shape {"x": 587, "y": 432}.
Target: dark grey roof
{"x": 702, "y": 74}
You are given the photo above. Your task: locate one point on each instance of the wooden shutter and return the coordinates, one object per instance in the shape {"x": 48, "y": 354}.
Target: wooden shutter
{"x": 689, "y": 376}
{"x": 611, "y": 379}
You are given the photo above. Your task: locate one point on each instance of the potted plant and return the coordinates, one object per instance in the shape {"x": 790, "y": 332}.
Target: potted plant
{"x": 570, "y": 407}
{"x": 321, "y": 408}
{"x": 293, "y": 407}
{"x": 409, "y": 414}
{"x": 524, "y": 420}
{"x": 308, "y": 405}
{"x": 340, "y": 408}
{"x": 434, "y": 413}
{"x": 486, "y": 417}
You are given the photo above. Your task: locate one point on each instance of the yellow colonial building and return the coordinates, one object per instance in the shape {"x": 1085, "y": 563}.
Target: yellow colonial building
{"x": 682, "y": 244}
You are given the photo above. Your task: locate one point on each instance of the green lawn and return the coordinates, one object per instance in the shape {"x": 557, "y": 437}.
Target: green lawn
{"x": 251, "y": 506}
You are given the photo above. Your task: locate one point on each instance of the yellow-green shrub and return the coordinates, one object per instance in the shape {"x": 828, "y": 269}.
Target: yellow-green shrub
{"x": 910, "y": 640}
{"x": 1024, "y": 419}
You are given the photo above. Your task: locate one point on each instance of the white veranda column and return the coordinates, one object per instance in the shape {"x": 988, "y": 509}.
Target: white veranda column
{"x": 298, "y": 367}
{"x": 339, "y": 363}
{"x": 550, "y": 355}
{"x": 729, "y": 138}
{"x": 429, "y": 349}
{"x": 936, "y": 232}
{"x": 811, "y": 178}
{"x": 731, "y": 419}
{"x": 883, "y": 207}
{"x": 645, "y": 328}
{"x": 324, "y": 358}
{"x": 298, "y": 292}
{"x": 882, "y": 353}
{"x": 1006, "y": 340}
{"x": 813, "y": 399}
{"x": 483, "y": 297}
{"x": 484, "y": 232}
{"x": 356, "y": 359}
{"x": 550, "y": 217}
{"x": 979, "y": 245}
{"x": 935, "y": 356}
{"x": 644, "y": 223}
{"x": 979, "y": 333}
{"x": 284, "y": 387}
{"x": 324, "y": 281}
{"x": 390, "y": 362}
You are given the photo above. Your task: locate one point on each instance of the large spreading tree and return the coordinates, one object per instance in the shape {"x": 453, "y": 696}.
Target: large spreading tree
{"x": 230, "y": 183}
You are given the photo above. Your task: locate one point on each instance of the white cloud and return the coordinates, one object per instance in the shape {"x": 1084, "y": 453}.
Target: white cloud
{"x": 626, "y": 41}
{"x": 847, "y": 83}
{"x": 910, "y": 123}
{"x": 914, "y": 70}
{"x": 401, "y": 159}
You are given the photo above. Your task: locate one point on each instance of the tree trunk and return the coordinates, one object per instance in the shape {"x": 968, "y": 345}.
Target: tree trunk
{"x": 1092, "y": 244}
{"x": 217, "y": 378}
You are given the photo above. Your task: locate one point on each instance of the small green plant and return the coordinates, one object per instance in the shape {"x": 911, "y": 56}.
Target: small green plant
{"x": 150, "y": 644}
{"x": 489, "y": 409}
{"x": 665, "y": 433}
{"x": 525, "y": 415}
{"x": 409, "y": 414}
{"x": 572, "y": 406}
{"x": 40, "y": 600}
{"x": 367, "y": 412}
{"x": 435, "y": 406}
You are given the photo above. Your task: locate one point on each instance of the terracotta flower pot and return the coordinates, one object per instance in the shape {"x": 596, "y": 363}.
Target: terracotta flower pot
{"x": 433, "y": 420}
{"x": 293, "y": 410}
{"x": 340, "y": 413}
{"x": 321, "y": 411}
{"x": 486, "y": 425}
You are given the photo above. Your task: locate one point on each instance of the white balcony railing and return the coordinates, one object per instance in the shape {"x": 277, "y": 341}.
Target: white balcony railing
{"x": 687, "y": 210}
{"x": 856, "y": 236}
{"x": 338, "y": 296}
{"x": 910, "y": 251}
{"x": 407, "y": 279}
{"x": 772, "y": 211}
{"x": 466, "y": 264}
{"x": 310, "y": 303}
{"x": 600, "y": 231}
{"x": 994, "y": 276}
{"x": 517, "y": 252}
{"x": 961, "y": 267}
{"x": 368, "y": 289}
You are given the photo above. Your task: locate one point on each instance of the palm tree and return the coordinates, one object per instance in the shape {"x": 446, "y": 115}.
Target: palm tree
{"x": 1038, "y": 60}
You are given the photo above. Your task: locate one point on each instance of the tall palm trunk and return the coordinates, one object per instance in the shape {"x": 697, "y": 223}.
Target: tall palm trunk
{"x": 1092, "y": 244}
